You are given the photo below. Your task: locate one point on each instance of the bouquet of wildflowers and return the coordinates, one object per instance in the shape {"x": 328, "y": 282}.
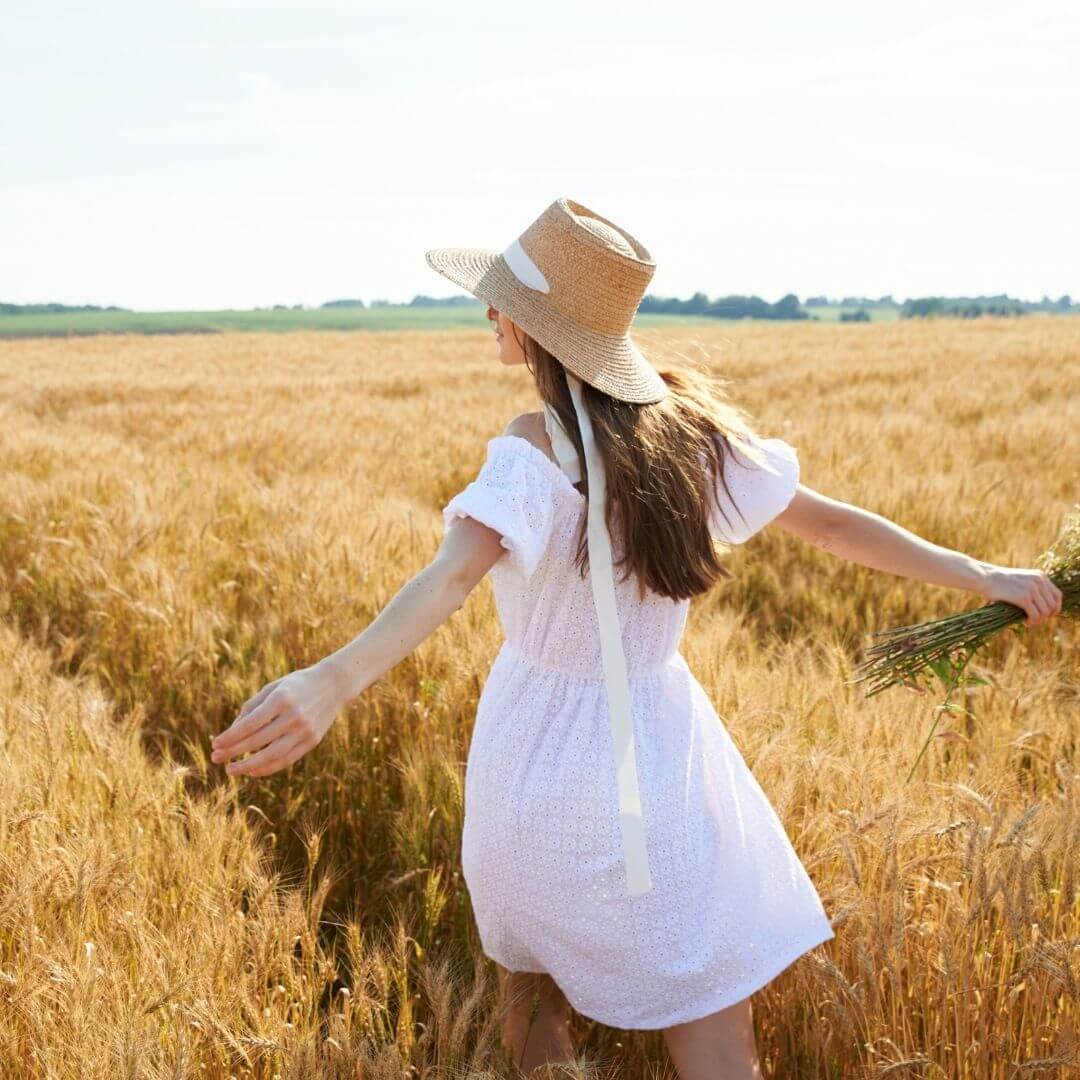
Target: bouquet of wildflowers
{"x": 907, "y": 652}
{"x": 913, "y": 655}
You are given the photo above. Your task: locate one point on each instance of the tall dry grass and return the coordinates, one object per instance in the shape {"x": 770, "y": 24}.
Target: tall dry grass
{"x": 185, "y": 518}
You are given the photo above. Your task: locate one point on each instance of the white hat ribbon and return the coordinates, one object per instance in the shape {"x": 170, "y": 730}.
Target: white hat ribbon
{"x": 601, "y": 572}
{"x": 524, "y": 269}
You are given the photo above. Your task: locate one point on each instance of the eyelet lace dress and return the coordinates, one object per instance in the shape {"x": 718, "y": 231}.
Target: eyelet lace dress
{"x": 729, "y": 905}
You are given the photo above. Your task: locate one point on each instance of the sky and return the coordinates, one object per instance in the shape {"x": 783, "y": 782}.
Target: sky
{"x": 234, "y": 154}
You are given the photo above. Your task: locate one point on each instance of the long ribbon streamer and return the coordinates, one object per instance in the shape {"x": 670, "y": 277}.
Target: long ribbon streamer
{"x": 601, "y": 572}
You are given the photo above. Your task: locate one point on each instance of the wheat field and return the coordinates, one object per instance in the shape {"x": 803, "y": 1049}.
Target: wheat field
{"x": 184, "y": 518}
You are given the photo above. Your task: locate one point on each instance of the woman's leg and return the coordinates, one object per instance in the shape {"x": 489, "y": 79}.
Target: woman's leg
{"x": 536, "y": 1015}
{"x": 720, "y": 1045}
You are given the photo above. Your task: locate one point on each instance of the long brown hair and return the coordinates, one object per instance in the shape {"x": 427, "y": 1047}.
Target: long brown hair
{"x": 659, "y": 496}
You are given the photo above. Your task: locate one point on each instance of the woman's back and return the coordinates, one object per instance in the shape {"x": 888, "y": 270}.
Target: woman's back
{"x": 545, "y": 605}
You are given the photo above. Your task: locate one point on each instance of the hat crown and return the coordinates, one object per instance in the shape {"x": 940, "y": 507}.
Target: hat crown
{"x": 611, "y": 236}
{"x": 596, "y": 272}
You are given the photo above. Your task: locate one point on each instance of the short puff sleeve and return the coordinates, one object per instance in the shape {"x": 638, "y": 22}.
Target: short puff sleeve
{"x": 761, "y": 491}
{"x": 512, "y": 494}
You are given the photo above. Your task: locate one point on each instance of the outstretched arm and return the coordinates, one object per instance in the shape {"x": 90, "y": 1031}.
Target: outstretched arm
{"x": 289, "y": 716}
{"x": 861, "y": 536}
{"x": 468, "y": 552}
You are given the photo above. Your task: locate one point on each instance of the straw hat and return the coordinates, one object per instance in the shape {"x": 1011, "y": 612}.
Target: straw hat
{"x": 572, "y": 281}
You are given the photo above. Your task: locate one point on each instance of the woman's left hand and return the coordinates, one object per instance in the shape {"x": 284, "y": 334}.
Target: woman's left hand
{"x": 1031, "y": 590}
{"x": 283, "y": 721}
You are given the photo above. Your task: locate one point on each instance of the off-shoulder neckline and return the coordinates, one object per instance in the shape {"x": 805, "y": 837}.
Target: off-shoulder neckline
{"x": 522, "y": 446}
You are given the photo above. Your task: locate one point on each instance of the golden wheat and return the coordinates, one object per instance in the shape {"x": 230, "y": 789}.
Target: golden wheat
{"x": 185, "y": 518}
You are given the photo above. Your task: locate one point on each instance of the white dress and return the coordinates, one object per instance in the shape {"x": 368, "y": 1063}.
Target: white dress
{"x": 731, "y": 905}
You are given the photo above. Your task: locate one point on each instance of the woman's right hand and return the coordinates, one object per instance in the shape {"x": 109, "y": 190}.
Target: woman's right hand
{"x": 282, "y": 722}
{"x": 1031, "y": 590}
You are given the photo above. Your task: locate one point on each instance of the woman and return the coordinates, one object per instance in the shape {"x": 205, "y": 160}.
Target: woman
{"x": 620, "y": 857}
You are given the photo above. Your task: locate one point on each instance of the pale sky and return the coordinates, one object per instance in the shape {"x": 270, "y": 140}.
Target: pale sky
{"x": 235, "y": 153}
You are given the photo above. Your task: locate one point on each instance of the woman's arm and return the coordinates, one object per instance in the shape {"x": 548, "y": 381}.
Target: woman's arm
{"x": 861, "y": 536}
{"x": 289, "y": 716}
{"x": 468, "y": 551}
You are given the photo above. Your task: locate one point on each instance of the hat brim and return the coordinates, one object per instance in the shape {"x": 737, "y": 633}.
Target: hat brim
{"x": 611, "y": 363}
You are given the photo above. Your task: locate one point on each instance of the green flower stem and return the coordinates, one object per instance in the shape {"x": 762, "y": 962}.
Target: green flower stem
{"x": 943, "y": 707}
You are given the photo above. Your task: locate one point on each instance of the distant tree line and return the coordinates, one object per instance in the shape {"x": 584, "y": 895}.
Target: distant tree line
{"x": 450, "y": 301}
{"x": 726, "y": 307}
{"x": 416, "y": 301}
{"x": 885, "y": 301}
{"x": 968, "y": 307}
{"x": 52, "y": 309}
{"x": 971, "y": 307}
{"x": 853, "y": 308}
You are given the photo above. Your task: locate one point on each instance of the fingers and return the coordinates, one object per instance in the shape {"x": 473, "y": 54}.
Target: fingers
{"x": 1035, "y": 606}
{"x": 1043, "y": 601}
{"x": 280, "y": 754}
{"x": 266, "y": 734}
{"x": 1052, "y": 597}
{"x": 1057, "y": 597}
{"x": 248, "y": 724}
{"x": 256, "y": 699}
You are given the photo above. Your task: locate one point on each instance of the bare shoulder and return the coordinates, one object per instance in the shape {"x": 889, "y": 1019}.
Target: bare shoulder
{"x": 530, "y": 426}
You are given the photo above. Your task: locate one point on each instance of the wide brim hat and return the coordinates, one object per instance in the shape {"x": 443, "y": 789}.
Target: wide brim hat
{"x": 573, "y": 281}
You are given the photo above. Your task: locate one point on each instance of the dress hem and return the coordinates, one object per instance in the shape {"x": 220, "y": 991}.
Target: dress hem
{"x": 777, "y": 962}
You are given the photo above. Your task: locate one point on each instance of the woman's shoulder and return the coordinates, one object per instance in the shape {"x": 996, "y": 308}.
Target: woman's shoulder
{"x": 530, "y": 427}
{"x": 512, "y": 494}
{"x": 761, "y": 475}
{"x": 525, "y": 441}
